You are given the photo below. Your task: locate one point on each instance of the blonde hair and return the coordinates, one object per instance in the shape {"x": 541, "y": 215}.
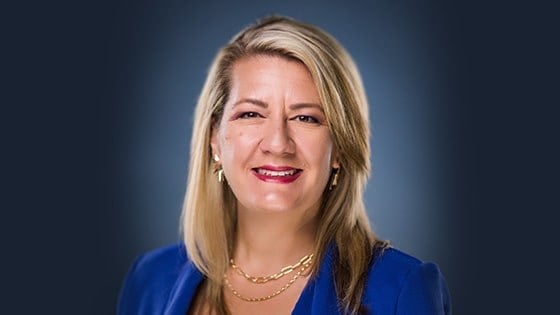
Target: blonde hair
{"x": 209, "y": 211}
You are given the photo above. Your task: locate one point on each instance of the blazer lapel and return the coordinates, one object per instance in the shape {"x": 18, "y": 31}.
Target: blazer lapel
{"x": 319, "y": 296}
{"x": 184, "y": 290}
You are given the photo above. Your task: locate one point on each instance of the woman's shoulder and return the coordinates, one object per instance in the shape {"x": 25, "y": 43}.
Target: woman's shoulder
{"x": 394, "y": 261}
{"x": 405, "y": 282}
{"x": 170, "y": 255}
{"x": 390, "y": 267}
{"x": 160, "y": 263}
{"x": 151, "y": 277}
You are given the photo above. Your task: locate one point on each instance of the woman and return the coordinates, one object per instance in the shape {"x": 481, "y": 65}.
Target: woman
{"x": 274, "y": 220}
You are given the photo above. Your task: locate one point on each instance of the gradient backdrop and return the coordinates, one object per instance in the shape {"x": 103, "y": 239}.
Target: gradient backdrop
{"x": 403, "y": 54}
{"x": 106, "y": 90}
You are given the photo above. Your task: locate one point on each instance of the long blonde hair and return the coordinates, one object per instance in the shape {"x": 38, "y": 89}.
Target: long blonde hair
{"x": 209, "y": 211}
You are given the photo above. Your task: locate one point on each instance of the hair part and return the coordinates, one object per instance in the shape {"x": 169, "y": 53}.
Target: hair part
{"x": 209, "y": 211}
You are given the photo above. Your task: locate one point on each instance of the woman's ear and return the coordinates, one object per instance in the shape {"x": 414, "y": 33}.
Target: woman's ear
{"x": 214, "y": 142}
{"x": 335, "y": 162}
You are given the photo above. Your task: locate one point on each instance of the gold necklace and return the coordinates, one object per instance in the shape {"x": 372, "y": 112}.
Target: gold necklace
{"x": 304, "y": 266}
{"x": 284, "y": 271}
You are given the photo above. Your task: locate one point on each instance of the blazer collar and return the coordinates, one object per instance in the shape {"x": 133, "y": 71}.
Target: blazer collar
{"x": 318, "y": 296}
{"x": 184, "y": 290}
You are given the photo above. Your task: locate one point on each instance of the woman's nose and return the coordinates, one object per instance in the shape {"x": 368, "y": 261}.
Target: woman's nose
{"x": 277, "y": 138}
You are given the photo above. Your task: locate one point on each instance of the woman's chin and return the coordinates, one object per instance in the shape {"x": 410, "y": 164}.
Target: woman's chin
{"x": 271, "y": 208}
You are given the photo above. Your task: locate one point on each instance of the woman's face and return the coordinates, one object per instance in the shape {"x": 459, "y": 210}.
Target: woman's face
{"x": 273, "y": 141}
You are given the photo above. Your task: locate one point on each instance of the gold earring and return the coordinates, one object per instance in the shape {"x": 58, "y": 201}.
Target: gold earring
{"x": 220, "y": 175}
{"x": 334, "y": 180}
{"x": 220, "y": 171}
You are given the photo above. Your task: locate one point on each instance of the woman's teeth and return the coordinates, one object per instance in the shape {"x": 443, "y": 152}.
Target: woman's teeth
{"x": 276, "y": 173}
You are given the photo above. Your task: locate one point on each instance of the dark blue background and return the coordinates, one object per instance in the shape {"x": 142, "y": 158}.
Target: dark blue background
{"x": 99, "y": 109}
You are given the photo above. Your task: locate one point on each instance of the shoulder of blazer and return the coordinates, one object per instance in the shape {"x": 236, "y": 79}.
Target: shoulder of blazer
{"x": 398, "y": 280}
{"x": 151, "y": 278}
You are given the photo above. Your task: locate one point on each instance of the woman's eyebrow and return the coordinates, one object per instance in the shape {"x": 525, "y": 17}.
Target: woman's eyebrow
{"x": 262, "y": 104}
{"x": 306, "y": 105}
{"x": 251, "y": 101}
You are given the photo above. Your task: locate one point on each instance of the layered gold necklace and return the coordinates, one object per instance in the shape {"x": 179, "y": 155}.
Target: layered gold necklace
{"x": 302, "y": 265}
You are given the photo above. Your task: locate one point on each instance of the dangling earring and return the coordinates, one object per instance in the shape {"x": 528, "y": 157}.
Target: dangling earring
{"x": 219, "y": 170}
{"x": 334, "y": 180}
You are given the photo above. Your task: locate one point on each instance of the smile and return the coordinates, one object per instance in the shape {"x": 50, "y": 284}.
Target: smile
{"x": 281, "y": 175}
{"x": 276, "y": 173}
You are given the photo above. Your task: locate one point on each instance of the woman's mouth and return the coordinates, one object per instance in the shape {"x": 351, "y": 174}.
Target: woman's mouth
{"x": 281, "y": 175}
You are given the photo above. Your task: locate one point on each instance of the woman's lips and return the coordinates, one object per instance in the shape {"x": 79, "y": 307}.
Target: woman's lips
{"x": 275, "y": 174}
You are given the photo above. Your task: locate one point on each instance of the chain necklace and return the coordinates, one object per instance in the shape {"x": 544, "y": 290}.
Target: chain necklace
{"x": 306, "y": 260}
{"x": 304, "y": 263}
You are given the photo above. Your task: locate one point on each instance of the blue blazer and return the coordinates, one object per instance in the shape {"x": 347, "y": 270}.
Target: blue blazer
{"x": 165, "y": 281}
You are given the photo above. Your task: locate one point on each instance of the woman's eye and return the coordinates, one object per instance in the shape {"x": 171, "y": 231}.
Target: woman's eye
{"x": 307, "y": 119}
{"x": 248, "y": 115}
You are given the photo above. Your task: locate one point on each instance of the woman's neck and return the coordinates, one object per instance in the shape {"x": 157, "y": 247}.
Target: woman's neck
{"x": 268, "y": 241}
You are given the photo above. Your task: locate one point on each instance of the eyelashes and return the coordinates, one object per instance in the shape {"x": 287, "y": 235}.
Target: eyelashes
{"x": 248, "y": 115}
{"x": 306, "y": 119}
{"x": 299, "y": 118}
